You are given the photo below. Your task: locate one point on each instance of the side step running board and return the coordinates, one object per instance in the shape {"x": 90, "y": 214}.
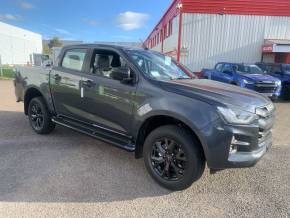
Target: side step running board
{"x": 105, "y": 137}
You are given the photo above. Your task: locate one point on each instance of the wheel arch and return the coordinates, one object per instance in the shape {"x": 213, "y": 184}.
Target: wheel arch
{"x": 31, "y": 93}
{"x": 155, "y": 121}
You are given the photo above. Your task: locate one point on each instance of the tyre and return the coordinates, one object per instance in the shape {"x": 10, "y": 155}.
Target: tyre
{"x": 173, "y": 157}
{"x": 285, "y": 93}
{"x": 274, "y": 99}
{"x": 39, "y": 116}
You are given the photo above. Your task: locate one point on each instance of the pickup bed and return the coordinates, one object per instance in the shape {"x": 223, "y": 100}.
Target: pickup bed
{"x": 143, "y": 102}
{"x": 246, "y": 76}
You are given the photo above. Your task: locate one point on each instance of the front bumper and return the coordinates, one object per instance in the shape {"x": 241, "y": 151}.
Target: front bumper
{"x": 248, "y": 159}
{"x": 234, "y": 146}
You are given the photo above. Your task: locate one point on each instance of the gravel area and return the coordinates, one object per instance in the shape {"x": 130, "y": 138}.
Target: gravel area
{"x": 66, "y": 174}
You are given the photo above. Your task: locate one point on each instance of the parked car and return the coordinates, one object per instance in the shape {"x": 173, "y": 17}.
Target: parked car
{"x": 246, "y": 76}
{"x": 141, "y": 101}
{"x": 282, "y": 72}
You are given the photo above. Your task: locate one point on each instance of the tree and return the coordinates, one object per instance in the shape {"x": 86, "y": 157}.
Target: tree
{"x": 54, "y": 42}
{"x": 46, "y": 50}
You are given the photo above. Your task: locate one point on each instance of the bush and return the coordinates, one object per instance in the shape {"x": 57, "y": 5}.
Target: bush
{"x": 7, "y": 72}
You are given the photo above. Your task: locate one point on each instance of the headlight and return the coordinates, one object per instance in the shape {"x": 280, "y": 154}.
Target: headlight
{"x": 248, "y": 81}
{"x": 278, "y": 83}
{"x": 236, "y": 116}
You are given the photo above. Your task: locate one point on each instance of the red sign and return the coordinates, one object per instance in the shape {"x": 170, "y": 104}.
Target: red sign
{"x": 267, "y": 48}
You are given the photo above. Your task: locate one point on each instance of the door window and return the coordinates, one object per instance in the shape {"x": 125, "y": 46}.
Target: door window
{"x": 276, "y": 69}
{"x": 219, "y": 67}
{"x": 227, "y": 67}
{"x": 74, "y": 59}
{"x": 109, "y": 64}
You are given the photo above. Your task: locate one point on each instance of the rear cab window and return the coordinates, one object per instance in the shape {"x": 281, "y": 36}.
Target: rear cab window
{"x": 219, "y": 67}
{"x": 74, "y": 59}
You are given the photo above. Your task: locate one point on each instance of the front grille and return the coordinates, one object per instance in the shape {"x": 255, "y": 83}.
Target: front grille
{"x": 266, "y": 121}
{"x": 265, "y": 87}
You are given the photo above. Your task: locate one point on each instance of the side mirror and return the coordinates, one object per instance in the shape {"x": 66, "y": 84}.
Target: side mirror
{"x": 123, "y": 74}
{"x": 47, "y": 63}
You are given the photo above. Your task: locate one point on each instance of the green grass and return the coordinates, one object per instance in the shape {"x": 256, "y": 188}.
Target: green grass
{"x": 7, "y": 72}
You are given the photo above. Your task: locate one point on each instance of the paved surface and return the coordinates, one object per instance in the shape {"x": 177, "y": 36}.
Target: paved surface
{"x": 67, "y": 174}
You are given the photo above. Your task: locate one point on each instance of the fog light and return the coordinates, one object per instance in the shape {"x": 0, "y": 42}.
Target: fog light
{"x": 233, "y": 149}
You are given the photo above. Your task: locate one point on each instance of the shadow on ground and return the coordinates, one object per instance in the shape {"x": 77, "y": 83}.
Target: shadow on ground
{"x": 66, "y": 166}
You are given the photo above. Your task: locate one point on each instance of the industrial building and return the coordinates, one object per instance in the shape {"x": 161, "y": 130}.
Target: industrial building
{"x": 17, "y": 45}
{"x": 202, "y": 33}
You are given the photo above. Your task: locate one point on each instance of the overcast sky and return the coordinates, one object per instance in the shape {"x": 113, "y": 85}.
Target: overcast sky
{"x": 87, "y": 20}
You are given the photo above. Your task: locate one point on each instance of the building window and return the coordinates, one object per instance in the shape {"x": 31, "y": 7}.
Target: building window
{"x": 165, "y": 31}
{"x": 170, "y": 28}
{"x": 158, "y": 38}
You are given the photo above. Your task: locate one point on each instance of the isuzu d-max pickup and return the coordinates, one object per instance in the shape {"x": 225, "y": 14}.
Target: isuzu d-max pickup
{"x": 143, "y": 102}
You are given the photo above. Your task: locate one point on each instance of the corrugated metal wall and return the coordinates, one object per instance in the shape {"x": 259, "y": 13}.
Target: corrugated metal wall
{"x": 246, "y": 7}
{"x": 210, "y": 38}
{"x": 16, "y": 44}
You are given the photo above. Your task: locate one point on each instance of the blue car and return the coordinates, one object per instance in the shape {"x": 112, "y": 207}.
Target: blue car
{"x": 282, "y": 72}
{"x": 248, "y": 76}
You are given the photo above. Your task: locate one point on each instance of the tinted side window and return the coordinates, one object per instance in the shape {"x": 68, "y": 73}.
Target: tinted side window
{"x": 219, "y": 67}
{"x": 108, "y": 64}
{"x": 74, "y": 59}
{"x": 276, "y": 69}
{"x": 227, "y": 67}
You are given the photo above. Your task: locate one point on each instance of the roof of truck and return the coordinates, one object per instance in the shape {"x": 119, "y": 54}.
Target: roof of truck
{"x": 94, "y": 45}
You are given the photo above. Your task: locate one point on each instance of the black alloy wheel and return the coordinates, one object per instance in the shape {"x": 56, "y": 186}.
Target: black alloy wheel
{"x": 168, "y": 159}
{"x": 39, "y": 116}
{"x": 173, "y": 157}
{"x": 37, "y": 119}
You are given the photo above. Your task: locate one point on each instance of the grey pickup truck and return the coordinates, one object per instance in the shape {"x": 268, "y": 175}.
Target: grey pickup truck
{"x": 147, "y": 103}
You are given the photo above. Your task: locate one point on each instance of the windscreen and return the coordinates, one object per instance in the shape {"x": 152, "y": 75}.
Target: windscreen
{"x": 157, "y": 66}
{"x": 249, "y": 69}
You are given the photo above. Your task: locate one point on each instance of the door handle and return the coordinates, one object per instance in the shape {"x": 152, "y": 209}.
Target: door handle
{"x": 89, "y": 83}
{"x": 57, "y": 77}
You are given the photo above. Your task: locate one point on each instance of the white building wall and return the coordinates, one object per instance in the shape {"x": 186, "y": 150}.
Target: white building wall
{"x": 211, "y": 38}
{"x": 16, "y": 44}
